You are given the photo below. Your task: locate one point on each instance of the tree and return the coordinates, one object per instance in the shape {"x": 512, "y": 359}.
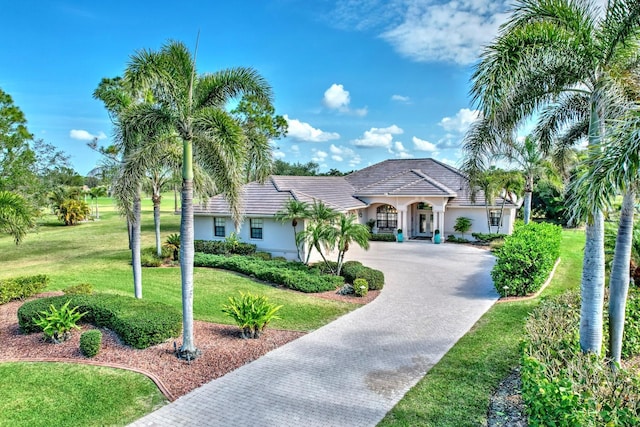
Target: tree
{"x": 292, "y": 211}
{"x": 510, "y": 183}
{"x": 191, "y": 106}
{"x": 281, "y": 167}
{"x": 319, "y": 232}
{"x": 349, "y": 231}
{"x": 16, "y": 216}
{"x": 462, "y": 225}
{"x": 562, "y": 51}
{"x": 96, "y": 192}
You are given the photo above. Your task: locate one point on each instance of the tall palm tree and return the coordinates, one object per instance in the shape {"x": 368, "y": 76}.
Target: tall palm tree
{"x": 554, "y": 48}
{"x": 292, "y": 211}
{"x": 193, "y": 107}
{"x": 349, "y": 231}
{"x": 510, "y": 183}
{"x": 16, "y": 216}
{"x": 319, "y": 232}
{"x": 94, "y": 193}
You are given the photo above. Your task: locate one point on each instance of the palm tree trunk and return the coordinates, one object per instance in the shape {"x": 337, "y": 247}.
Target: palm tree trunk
{"x": 135, "y": 246}
{"x": 157, "y": 198}
{"x": 188, "y": 349}
{"x": 501, "y": 213}
{"x": 527, "y": 206}
{"x": 620, "y": 277}
{"x": 295, "y": 239}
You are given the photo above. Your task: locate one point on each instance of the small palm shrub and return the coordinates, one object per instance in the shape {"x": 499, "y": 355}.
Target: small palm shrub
{"x": 72, "y": 211}
{"x": 21, "y": 287}
{"x": 79, "y": 289}
{"x": 462, "y": 225}
{"x": 173, "y": 244}
{"x": 90, "y": 342}
{"x": 251, "y": 313}
{"x": 360, "y": 287}
{"x": 56, "y": 324}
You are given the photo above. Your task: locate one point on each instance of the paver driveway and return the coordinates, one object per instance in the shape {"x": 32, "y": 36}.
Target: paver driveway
{"x": 354, "y": 370}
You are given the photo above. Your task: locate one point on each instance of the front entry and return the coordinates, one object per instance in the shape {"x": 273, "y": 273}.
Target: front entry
{"x": 425, "y": 219}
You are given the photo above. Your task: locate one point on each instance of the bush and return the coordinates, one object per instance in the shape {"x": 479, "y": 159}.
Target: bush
{"x": 147, "y": 260}
{"x": 79, "y": 289}
{"x": 22, "y": 287}
{"x": 251, "y": 313}
{"x": 138, "y": 323}
{"x": 487, "y": 237}
{"x": 563, "y": 387}
{"x": 266, "y": 256}
{"x": 360, "y": 287}
{"x": 631, "y": 339}
{"x": 526, "y": 259}
{"x": 72, "y": 211}
{"x": 454, "y": 239}
{"x": 293, "y": 275}
{"x": 57, "y": 323}
{"x": 353, "y": 270}
{"x": 90, "y": 342}
{"x": 216, "y": 247}
{"x": 384, "y": 237}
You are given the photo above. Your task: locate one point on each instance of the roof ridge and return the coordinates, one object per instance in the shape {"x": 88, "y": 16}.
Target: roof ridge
{"x": 387, "y": 178}
{"x": 433, "y": 181}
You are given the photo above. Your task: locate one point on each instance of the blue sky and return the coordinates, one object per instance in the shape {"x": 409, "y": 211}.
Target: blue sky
{"x": 359, "y": 81}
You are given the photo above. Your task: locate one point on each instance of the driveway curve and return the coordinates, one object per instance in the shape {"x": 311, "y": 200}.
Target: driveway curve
{"x": 352, "y": 371}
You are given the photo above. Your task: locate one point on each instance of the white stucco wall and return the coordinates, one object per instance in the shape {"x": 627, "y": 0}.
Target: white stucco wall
{"x": 478, "y": 218}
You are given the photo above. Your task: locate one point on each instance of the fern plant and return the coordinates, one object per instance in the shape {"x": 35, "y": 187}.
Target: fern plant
{"x": 57, "y": 324}
{"x": 251, "y": 313}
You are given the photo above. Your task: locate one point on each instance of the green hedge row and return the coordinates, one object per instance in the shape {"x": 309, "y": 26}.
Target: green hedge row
{"x": 563, "y": 387}
{"x": 219, "y": 247}
{"x": 488, "y": 237}
{"x": 22, "y": 287}
{"x": 292, "y": 275}
{"x": 353, "y": 270}
{"x": 385, "y": 237}
{"x": 526, "y": 258}
{"x": 138, "y": 323}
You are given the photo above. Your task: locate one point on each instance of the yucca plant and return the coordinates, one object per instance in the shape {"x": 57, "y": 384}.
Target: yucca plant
{"x": 251, "y": 313}
{"x": 57, "y": 324}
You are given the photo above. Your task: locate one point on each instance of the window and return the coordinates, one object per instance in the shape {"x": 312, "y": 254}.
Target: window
{"x": 387, "y": 217}
{"x": 256, "y": 228}
{"x": 218, "y": 227}
{"x": 494, "y": 218}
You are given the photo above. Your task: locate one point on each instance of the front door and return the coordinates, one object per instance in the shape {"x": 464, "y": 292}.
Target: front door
{"x": 424, "y": 223}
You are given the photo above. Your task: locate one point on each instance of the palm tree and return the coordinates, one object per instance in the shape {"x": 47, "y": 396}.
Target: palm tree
{"x": 317, "y": 235}
{"x": 555, "y": 50}
{"x": 94, "y": 193}
{"x": 348, "y": 231}
{"x": 510, "y": 183}
{"x": 192, "y": 107}
{"x": 16, "y": 216}
{"x": 292, "y": 211}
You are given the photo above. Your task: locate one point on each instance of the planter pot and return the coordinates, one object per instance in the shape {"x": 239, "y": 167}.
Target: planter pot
{"x": 400, "y": 237}
{"x": 437, "y": 239}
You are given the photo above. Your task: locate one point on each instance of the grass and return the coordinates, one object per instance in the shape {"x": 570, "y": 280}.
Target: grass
{"x": 456, "y": 391}
{"x": 73, "y": 395}
{"x": 97, "y": 252}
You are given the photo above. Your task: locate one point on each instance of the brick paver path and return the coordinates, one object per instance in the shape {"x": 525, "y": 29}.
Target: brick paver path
{"x": 354, "y": 370}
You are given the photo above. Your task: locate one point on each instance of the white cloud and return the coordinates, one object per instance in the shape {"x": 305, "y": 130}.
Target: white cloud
{"x": 305, "y": 132}
{"x": 319, "y": 156}
{"x": 422, "y": 145}
{"x": 278, "y": 154}
{"x": 337, "y": 158}
{"x": 342, "y": 153}
{"x": 378, "y": 137}
{"x": 401, "y": 99}
{"x": 83, "y": 135}
{"x": 461, "y": 122}
{"x": 295, "y": 148}
{"x": 399, "y": 151}
{"x": 338, "y": 98}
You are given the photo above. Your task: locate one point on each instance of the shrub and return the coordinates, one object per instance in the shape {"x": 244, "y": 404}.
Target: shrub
{"x": 360, "y": 287}
{"x": 462, "y": 225}
{"x": 454, "y": 239}
{"x": 384, "y": 237}
{"x": 374, "y": 278}
{"x": 217, "y": 247}
{"x": 72, "y": 211}
{"x": 22, "y": 287}
{"x": 350, "y": 270}
{"x": 266, "y": 256}
{"x": 631, "y": 340}
{"x": 563, "y": 387}
{"x": 173, "y": 244}
{"x": 79, "y": 289}
{"x": 487, "y": 237}
{"x": 251, "y": 312}
{"x": 90, "y": 342}
{"x": 56, "y": 324}
{"x": 526, "y": 259}
{"x": 293, "y": 275}
{"x": 138, "y": 323}
{"x": 150, "y": 260}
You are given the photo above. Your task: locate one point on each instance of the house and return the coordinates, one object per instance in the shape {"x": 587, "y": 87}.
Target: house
{"x": 418, "y": 196}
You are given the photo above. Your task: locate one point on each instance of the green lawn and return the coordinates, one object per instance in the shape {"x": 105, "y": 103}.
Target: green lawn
{"x": 456, "y": 391}
{"x": 65, "y": 394}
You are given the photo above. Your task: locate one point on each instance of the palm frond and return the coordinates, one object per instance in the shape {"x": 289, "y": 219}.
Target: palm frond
{"x": 216, "y": 89}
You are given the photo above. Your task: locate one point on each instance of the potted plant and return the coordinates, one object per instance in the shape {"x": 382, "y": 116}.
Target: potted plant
{"x": 400, "y": 236}
{"x": 436, "y": 236}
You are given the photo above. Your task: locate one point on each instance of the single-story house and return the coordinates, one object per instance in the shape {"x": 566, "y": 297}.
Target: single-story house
{"x": 418, "y": 196}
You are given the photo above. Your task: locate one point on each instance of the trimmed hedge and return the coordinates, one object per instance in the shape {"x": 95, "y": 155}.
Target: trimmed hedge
{"x": 292, "y": 275}
{"x": 488, "y": 237}
{"x": 353, "y": 270}
{"x": 90, "y": 342}
{"x": 526, "y": 259}
{"x": 561, "y": 386}
{"x": 385, "y": 237}
{"x": 138, "y": 323}
{"x": 219, "y": 247}
{"x": 22, "y": 287}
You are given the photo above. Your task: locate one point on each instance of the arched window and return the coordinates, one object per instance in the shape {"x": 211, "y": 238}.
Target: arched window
{"x": 386, "y": 217}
